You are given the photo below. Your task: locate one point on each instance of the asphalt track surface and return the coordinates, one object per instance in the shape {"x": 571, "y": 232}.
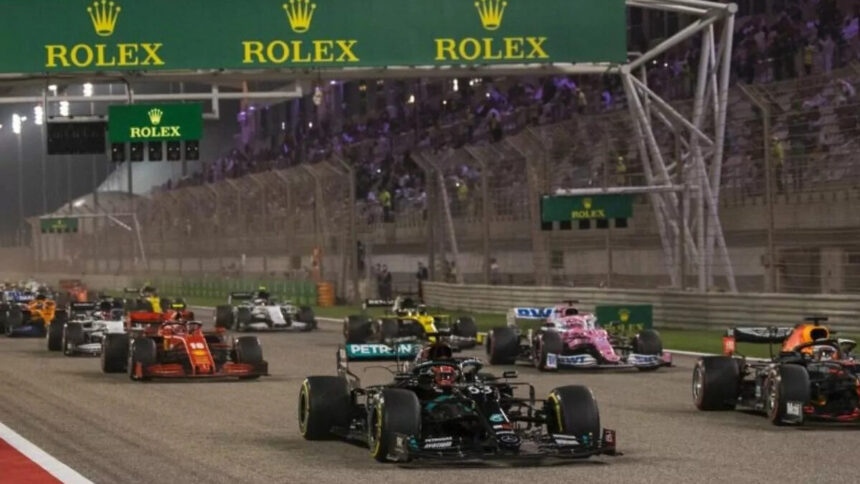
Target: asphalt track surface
{"x": 112, "y": 430}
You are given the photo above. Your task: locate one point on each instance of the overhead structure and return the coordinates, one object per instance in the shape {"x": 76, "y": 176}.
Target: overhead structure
{"x": 220, "y": 42}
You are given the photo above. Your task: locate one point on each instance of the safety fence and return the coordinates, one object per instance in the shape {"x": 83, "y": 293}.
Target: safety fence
{"x": 298, "y": 292}
{"x": 472, "y": 212}
{"x": 672, "y": 309}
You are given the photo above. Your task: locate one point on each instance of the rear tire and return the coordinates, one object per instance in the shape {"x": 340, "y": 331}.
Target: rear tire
{"x": 550, "y": 343}
{"x": 224, "y": 317}
{"x": 114, "y": 358}
{"x": 250, "y": 351}
{"x": 503, "y": 346}
{"x": 324, "y": 403}
{"x": 716, "y": 382}
{"x": 572, "y": 410}
{"x": 243, "y": 319}
{"x": 397, "y": 412}
{"x": 790, "y": 388}
{"x": 144, "y": 352}
{"x": 356, "y": 329}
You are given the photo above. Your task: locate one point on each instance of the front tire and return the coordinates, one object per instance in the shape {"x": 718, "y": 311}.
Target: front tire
{"x": 73, "y": 336}
{"x": 503, "y": 346}
{"x": 143, "y": 354}
{"x": 224, "y": 317}
{"x": 549, "y": 346}
{"x": 324, "y": 403}
{"x": 716, "y": 381}
{"x": 466, "y": 327}
{"x": 786, "y": 392}
{"x": 114, "y": 357}
{"x": 55, "y": 335}
{"x": 572, "y": 410}
{"x": 397, "y": 411}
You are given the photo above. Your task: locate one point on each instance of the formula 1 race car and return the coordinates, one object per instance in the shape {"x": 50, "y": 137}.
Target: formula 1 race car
{"x": 447, "y": 409}
{"x": 409, "y": 320}
{"x": 181, "y": 349}
{"x": 814, "y": 377}
{"x": 89, "y": 323}
{"x": 247, "y": 311}
{"x": 568, "y": 338}
{"x": 29, "y": 315}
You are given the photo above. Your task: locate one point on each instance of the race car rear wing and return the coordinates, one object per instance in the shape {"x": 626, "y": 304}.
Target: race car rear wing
{"x": 377, "y": 303}
{"x": 756, "y": 335}
{"x": 534, "y": 314}
{"x": 82, "y": 306}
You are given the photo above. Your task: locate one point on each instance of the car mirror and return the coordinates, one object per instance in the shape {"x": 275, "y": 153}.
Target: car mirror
{"x": 510, "y": 374}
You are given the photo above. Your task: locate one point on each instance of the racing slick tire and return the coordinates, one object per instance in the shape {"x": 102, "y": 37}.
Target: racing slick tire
{"x": 248, "y": 350}
{"x": 243, "y": 319}
{"x": 144, "y": 352}
{"x": 549, "y": 343}
{"x": 55, "y": 334}
{"x": 716, "y": 383}
{"x": 502, "y": 346}
{"x": 15, "y": 319}
{"x": 787, "y": 388}
{"x": 356, "y": 329}
{"x": 648, "y": 342}
{"x": 389, "y": 329}
{"x": 397, "y": 412}
{"x": 306, "y": 315}
{"x": 466, "y": 327}
{"x": 572, "y": 410}
{"x": 324, "y": 403}
{"x": 224, "y": 317}
{"x": 73, "y": 336}
{"x": 114, "y": 357}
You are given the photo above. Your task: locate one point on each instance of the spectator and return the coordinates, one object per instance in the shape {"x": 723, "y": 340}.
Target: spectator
{"x": 778, "y": 154}
{"x": 422, "y": 275}
{"x": 581, "y": 101}
{"x": 828, "y": 48}
{"x": 385, "y": 202}
{"x": 620, "y": 171}
{"x": 808, "y": 57}
{"x": 495, "y": 275}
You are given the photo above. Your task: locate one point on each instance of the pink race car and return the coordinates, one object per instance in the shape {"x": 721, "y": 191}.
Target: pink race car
{"x": 569, "y": 338}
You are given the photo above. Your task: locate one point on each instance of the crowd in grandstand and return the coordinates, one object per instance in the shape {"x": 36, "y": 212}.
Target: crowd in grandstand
{"x": 804, "y": 38}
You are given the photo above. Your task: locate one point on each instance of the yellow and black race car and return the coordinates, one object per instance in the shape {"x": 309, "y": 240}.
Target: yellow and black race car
{"x": 408, "y": 320}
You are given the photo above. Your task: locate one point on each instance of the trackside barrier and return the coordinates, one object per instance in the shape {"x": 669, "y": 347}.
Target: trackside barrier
{"x": 672, "y": 309}
{"x": 299, "y": 292}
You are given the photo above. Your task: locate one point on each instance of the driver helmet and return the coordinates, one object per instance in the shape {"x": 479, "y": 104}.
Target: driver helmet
{"x": 177, "y": 316}
{"x": 445, "y": 375}
{"x": 824, "y": 353}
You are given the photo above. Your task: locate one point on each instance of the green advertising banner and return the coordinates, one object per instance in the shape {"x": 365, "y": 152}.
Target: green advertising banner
{"x": 122, "y": 35}
{"x": 155, "y": 122}
{"x": 58, "y": 225}
{"x": 599, "y": 207}
{"x": 625, "y": 319}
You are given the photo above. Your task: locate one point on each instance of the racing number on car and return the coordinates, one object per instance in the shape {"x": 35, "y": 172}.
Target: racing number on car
{"x": 478, "y": 390}
{"x": 197, "y": 346}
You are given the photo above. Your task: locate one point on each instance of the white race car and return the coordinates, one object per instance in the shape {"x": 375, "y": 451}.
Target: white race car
{"x": 247, "y": 311}
{"x": 88, "y": 325}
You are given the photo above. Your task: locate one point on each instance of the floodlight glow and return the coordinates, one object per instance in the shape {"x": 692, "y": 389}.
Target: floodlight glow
{"x": 79, "y": 203}
{"x": 64, "y": 108}
{"x": 38, "y": 115}
{"x": 16, "y": 123}
{"x": 88, "y": 90}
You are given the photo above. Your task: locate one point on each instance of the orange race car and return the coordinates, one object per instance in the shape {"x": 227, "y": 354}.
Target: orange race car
{"x": 77, "y": 290}
{"x": 814, "y": 377}
{"x": 32, "y": 318}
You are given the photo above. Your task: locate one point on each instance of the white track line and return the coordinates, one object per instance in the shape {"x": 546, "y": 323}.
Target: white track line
{"x": 44, "y": 460}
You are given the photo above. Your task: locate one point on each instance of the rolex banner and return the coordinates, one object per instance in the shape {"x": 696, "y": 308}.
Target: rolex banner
{"x": 121, "y": 35}
{"x": 162, "y": 122}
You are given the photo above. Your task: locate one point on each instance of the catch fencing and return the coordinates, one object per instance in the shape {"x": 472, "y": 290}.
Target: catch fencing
{"x": 472, "y": 212}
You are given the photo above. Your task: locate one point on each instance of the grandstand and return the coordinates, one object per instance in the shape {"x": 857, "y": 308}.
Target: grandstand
{"x": 464, "y": 161}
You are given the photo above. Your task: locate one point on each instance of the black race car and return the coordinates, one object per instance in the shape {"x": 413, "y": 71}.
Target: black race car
{"x": 444, "y": 408}
{"x": 814, "y": 377}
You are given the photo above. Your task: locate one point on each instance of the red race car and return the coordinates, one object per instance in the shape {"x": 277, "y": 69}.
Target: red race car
{"x": 177, "y": 348}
